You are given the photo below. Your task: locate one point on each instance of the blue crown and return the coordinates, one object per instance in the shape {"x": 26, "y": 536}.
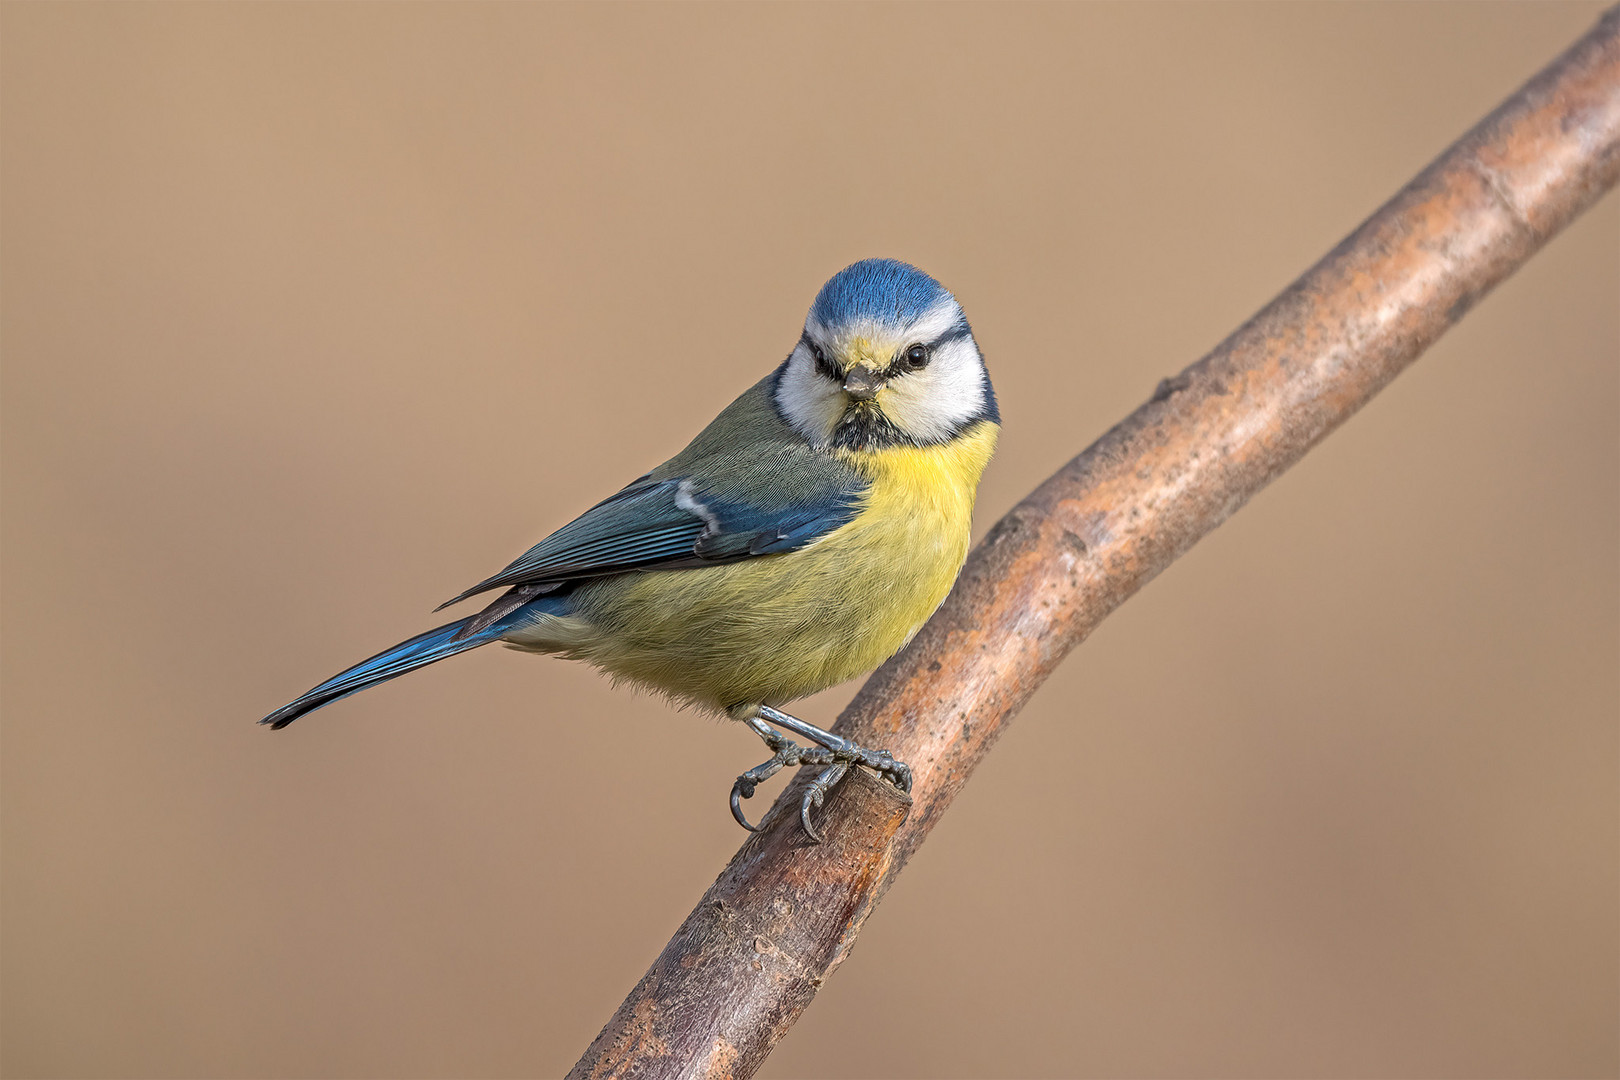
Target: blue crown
{"x": 884, "y": 291}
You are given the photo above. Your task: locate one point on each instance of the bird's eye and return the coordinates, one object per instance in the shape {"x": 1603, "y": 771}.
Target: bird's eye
{"x": 823, "y": 365}
{"x": 915, "y": 358}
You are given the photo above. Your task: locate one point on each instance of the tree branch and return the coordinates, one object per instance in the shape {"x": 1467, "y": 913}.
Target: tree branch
{"x": 747, "y": 961}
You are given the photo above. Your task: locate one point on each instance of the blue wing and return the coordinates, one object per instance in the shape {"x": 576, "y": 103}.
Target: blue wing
{"x": 747, "y": 486}
{"x": 767, "y": 506}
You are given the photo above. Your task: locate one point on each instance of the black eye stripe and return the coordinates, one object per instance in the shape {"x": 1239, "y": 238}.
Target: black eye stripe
{"x": 900, "y": 365}
{"x": 904, "y": 362}
{"x": 909, "y": 360}
{"x": 823, "y": 365}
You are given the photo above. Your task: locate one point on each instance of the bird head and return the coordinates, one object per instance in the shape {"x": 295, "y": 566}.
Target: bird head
{"x": 886, "y": 359}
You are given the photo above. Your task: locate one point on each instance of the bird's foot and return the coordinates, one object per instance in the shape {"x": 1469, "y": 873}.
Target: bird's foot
{"x": 786, "y": 753}
{"x": 834, "y": 753}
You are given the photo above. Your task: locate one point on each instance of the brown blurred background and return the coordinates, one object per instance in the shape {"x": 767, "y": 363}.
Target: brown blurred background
{"x": 315, "y": 314}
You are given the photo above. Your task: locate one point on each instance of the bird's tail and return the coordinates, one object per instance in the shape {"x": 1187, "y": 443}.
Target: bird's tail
{"x": 409, "y": 655}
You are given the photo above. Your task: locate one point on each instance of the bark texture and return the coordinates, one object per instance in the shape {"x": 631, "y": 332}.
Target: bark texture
{"x": 785, "y": 913}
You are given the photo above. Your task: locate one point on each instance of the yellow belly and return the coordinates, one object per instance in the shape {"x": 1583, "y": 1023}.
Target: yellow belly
{"x": 771, "y": 629}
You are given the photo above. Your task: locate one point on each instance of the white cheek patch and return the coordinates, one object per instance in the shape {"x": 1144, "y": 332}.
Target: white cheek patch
{"x": 932, "y": 404}
{"x": 807, "y": 399}
{"x": 927, "y": 406}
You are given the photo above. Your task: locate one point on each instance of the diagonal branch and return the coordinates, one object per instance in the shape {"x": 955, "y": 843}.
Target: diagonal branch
{"x": 752, "y": 955}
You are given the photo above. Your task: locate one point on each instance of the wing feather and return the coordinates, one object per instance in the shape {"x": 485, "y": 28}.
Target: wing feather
{"x": 749, "y": 486}
{"x": 672, "y": 524}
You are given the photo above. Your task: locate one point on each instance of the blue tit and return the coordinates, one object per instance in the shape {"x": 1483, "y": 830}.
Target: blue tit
{"x": 801, "y": 539}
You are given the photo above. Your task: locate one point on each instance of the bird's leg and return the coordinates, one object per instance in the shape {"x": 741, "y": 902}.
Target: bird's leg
{"x": 844, "y": 751}
{"x": 784, "y": 752}
{"x": 834, "y": 752}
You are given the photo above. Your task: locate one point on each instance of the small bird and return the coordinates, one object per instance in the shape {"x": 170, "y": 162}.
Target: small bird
{"x": 801, "y": 539}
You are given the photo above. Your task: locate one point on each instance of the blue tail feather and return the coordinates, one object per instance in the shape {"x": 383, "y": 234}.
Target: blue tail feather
{"x": 407, "y": 656}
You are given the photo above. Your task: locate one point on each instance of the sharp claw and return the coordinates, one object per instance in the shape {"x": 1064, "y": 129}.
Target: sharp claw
{"x": 737, "y": 797}
{"x": 811, "y": 796}
{"x": 816, "y": 794}
{"x": 748, "y": 782}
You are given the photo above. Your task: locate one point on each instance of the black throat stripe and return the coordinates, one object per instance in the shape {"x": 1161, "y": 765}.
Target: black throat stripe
{"x": 864, "y": 427}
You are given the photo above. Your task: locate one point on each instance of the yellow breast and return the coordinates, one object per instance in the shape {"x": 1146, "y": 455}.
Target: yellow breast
{"x": 912, "y": 536}
{"x": 769, "y": 630}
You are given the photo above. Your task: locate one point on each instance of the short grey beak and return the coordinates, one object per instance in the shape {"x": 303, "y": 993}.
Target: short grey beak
{"x": 862, "y": 385}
